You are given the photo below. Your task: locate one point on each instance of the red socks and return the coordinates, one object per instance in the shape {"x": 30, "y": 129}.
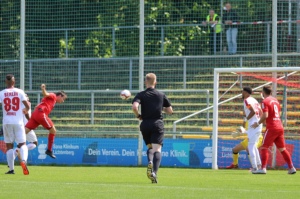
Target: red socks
{"x": 287, "y": 157}
{"x": 264, "y": 155}
{"x": 50, "y": 141}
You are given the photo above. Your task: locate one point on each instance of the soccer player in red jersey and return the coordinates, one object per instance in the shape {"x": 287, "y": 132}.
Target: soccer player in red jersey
{"x": 40, "y": 115}
{"x": 274, "y": 131}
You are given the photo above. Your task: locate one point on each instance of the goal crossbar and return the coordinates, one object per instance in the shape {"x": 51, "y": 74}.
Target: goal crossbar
{"x": 217, "y": 71}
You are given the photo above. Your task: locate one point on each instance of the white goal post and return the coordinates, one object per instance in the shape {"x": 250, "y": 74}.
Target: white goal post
{"x": 216, "y": 102}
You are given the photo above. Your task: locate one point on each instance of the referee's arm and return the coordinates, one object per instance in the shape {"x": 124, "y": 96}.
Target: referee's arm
{"x": 135, "y": 109}
{"x": 168, "y": 110}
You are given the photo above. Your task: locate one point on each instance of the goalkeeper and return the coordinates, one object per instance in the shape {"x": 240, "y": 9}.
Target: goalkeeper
{"x": 243, "y": 145}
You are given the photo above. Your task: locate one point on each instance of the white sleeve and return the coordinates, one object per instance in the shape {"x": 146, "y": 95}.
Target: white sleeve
{"x": 1, "y": 98}
{"x": 22, "y": 95}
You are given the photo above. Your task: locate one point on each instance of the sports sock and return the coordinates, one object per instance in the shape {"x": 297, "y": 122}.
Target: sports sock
{"x": 50, "y": 141}
{"x": 31, "y": 146}
{"x": 258, "y": 160}
{"x": 16, "y": 150}
{"x": 150, "y": 155}
{"x": 251, "y": 148}
{"x": 287, "y": 157}
{"x": 264, "y": 158}
{"x": 235, "y": 157}
{"x": 156, "y": 161}
{"x": 17, "y": 154}
{"x": 24, "y": 153}
{"x": 10, "y": 157}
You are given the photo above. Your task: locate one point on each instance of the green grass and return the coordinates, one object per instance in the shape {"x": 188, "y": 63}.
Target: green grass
{"x": 131, "y": 182}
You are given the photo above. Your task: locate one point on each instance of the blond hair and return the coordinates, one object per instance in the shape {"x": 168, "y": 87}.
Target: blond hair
{"x": 151, "y": 79}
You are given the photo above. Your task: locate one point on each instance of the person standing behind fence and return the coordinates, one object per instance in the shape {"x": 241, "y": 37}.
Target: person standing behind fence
{"x": 152, "y": 103}
{"x": 229, "y": 17}
{"x": 214, "y": 26}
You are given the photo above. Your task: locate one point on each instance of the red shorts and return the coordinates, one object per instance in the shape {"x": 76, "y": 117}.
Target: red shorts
{"x": 274, "y": 136}
{"x": 39, "y": 118}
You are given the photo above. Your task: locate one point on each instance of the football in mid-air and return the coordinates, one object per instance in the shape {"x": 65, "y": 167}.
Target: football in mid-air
{"x": 125, "y": 94}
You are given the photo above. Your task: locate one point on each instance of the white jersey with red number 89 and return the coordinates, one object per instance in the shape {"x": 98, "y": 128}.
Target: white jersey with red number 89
{"x": 11, "y": 100}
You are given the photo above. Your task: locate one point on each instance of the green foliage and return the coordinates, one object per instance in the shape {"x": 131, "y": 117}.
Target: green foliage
{"x": 106, "y": 28}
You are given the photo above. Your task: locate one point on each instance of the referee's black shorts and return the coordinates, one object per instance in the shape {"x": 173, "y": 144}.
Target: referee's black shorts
{"x": 152, "y": 131}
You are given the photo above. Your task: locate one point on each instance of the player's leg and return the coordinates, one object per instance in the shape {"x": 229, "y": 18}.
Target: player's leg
{"x": 280, "y": 144}
{"x": 156, "y": 156}
{"x": 253, "y": 136}
{"x": 258, "y": 145}
{"x": 23, "y": 150}
{"x": 235, "y": 153}
{"x": 47, "y": 123}
{"x": 144, "y": 128}
{"x": 32, "y": 139}
{"x": 267, "y": 142}
{"x": 32, "y": 143}
{"x": 9, "y": 138}
{"x": 157, "y": 136}
{"x": 10, "y": 158}
{"x": 51, "y": 136}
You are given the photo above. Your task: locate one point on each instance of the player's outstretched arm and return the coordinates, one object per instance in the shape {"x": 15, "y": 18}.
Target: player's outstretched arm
{"x": 44, "y": 92}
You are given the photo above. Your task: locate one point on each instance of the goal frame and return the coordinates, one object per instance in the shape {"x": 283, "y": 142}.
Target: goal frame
{"x": 217, "y": 72}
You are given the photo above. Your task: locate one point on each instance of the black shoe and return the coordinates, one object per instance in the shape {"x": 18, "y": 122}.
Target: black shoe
{"x": 149, "y": 169}
{"x": 153, "y": 178}
{"x": 50, "y": 153}
{"x": 10, "y": 172}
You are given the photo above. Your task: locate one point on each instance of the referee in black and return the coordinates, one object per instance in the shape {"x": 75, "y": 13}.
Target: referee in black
{"x": 152, "y": 102}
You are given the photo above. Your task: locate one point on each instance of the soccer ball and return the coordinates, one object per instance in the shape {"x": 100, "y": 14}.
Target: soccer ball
{"x": 125, "y": 94}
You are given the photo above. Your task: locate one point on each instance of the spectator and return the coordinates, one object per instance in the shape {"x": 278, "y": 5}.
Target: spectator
{"x": 214, "y": 27}
{"x": 230, "y": 17}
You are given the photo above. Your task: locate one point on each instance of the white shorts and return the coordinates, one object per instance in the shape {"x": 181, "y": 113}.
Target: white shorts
{"x": 14, "y": 133}
{"x": 31, "y": 136}
{"x": 253, "y": 135}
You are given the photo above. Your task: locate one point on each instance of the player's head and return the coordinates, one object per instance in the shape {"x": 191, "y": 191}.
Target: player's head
{"x": 267, "y": 90}
{"x": 247, "y": 91}
{"x": 150, "y": 80}
{"x": 61, "y": 96}
{"x": 10, "y": 80}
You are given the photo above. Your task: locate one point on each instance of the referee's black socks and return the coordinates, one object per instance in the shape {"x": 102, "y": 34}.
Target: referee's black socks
{"x": 156, "y": 161}
{"x": 150, "y": 155}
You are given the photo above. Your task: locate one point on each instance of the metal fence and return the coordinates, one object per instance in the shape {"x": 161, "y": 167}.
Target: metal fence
{"x": 183, "y": 64}
{"x": 291, "y": 30}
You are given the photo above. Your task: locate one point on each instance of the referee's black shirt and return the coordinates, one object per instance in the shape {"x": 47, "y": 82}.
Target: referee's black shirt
{"x": 152, "y": 102}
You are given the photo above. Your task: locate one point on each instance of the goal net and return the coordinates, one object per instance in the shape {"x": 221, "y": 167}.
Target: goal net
{"x": 228, "y": 110}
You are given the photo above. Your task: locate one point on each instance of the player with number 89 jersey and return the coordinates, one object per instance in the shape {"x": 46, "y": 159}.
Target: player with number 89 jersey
{"x": 11, "y": 99}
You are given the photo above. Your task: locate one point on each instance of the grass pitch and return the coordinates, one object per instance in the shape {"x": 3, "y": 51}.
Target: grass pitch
{"x": 131, "y": 182}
